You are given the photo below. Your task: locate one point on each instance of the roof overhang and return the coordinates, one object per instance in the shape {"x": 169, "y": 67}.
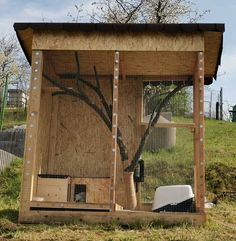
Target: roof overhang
{"x": 126, "y": 37}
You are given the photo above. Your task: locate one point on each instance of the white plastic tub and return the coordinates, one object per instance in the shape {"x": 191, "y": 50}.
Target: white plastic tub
{"x": 175, "y": 198}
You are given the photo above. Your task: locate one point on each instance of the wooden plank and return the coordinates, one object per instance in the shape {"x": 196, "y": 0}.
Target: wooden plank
{"x": 28, "y": 188}
{"x": 44, "y": 125}
{"x": 114, "y": 131}
{"x": 196, "y": 111}
{"x": 138, "y": 65}
{"x": 212, "y": 42}
{"x": 199, "y": 149}
{"x": 55, "y": 40}
{"x": 53, "y": 189}
{"x": 51, "y": 89}
{"x": 118, "y": 207}
{"x": 97, "y": 189}
{"x": 147, "y": 207}
{"x": 124, "y": 217}
{"x": 80, "y": 152}
{"x": 70, "y": 205}
{"x": 53, "y": 135}
{"x": 201, "y": 133}
{"x": 171, "y": 125}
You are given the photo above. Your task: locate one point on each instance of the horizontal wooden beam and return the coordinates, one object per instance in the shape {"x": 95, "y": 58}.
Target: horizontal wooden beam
{"x": 145, "y": 78}
{"x": 69, "y": 205}
{"x": 61, "y": 40}
{"x": 120, "y": 216}
{"x": 172, "y": 125}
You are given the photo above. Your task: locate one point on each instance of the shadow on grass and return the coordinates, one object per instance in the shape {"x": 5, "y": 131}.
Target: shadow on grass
{"x": 139, "y": 225}
{"x": 9, "y": 214}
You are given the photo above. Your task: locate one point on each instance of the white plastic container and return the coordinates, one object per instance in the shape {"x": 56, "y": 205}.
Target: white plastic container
{"x": 175, "y": 198}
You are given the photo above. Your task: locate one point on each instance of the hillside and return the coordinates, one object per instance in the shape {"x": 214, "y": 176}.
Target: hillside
{"x": 221, "y": 177}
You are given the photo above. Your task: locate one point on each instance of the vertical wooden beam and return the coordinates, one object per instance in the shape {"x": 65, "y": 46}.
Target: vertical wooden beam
{"x": 139, "y": 128}
{"x": 29, "y": 173}
{"x": 199, "y": 148}
{"x": 53, "y": 135}
{"x": 114, "y": 132}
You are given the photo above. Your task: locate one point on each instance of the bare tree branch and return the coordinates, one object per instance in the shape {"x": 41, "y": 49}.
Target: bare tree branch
{"x": 131, "y": 13}
{"x": 146, "y": 11}
{"x": 107, "y": 118}
{"x": 83, "y": 97}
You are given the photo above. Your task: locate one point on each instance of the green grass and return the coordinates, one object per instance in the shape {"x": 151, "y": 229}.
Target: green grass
{"x": 13, "y": 117}
{"x": 221, "y": 219}
{"x": 10, "y": 181}
{"x": 175, "y": 165}
{"x": 221, "y": 142}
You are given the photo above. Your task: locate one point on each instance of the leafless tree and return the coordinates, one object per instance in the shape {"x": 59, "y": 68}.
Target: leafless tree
{"x": 8, "y": 57}
{"x": 21, "y": 79}
{"x": 146, "y": 11}
{"x": 13, "y": 65}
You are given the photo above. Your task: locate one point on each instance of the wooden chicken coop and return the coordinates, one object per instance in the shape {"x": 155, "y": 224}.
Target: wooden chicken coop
{"x": 86, "y": 89}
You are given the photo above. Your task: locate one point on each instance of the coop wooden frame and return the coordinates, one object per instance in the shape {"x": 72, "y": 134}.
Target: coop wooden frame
{"x": 202, "y": 44}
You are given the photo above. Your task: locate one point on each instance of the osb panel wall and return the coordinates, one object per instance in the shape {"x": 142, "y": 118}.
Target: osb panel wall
{"x": 134, "y": 63}
{"x": 211, "y": 54}
{"x": 83, "y": 142}
{"x": 44, "y": 124}
{"x": 129, "y": 116}
{"x": 79, "y": 142}
{"x": 122, "y": 41}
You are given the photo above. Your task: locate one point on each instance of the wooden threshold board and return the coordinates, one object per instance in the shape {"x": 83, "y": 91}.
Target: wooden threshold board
{"x": 68, "y": 205}
{"x": 172, "y": 125}
{"x": 104, "y": 216}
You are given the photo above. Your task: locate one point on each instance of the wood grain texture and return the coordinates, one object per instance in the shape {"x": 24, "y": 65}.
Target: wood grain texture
{"x": 199, "y": 147}
{"x": 69, "y": 205}
{"x": 118, "y": 41}
{"x": 53, "y": 189}
{"x": 124, "y": 217}
{"x": 114, "y": 151}
{"x": 30, "y": 168}
{"x": 97, "y": 189}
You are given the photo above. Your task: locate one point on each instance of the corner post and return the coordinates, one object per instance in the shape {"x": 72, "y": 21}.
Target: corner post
{"x": 199, "y": 147}
{"x": 114, "y": 133}
{"x": 29, "y": 177}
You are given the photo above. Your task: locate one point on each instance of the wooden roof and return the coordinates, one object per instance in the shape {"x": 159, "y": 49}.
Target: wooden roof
{"x": 140, "y": 44}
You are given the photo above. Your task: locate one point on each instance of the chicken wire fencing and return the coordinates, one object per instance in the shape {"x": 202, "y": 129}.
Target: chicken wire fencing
{"x": 216, "y": 106}
{"x": 168, "y": 152}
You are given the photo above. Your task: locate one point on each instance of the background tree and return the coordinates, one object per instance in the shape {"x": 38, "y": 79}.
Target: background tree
{"x": 21, "y": 79}
{"x": 14, "y": 69}
{"x": 144, "y": 11}
{"x": 8, "y": 57}
{"x": 179, "y": 105}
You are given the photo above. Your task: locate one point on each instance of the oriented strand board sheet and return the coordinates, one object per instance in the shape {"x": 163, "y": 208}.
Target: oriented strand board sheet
{"x": 53, "y": 189}
{"x": 132, "y": 63}
{"x": 61, "y": 40}
{"x": 97, "y": 189}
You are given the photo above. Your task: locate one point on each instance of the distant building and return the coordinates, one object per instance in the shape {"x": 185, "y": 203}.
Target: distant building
{"x": 16, "y": 98}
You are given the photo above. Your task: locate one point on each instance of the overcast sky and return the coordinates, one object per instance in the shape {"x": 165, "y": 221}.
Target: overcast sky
{"x": 57, "y": 10}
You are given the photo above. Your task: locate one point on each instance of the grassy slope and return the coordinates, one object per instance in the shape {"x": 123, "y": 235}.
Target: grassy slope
{"x": 175, "y": 166}
{"x": 221, "y": 219}
{"x": 221, "y": 142}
